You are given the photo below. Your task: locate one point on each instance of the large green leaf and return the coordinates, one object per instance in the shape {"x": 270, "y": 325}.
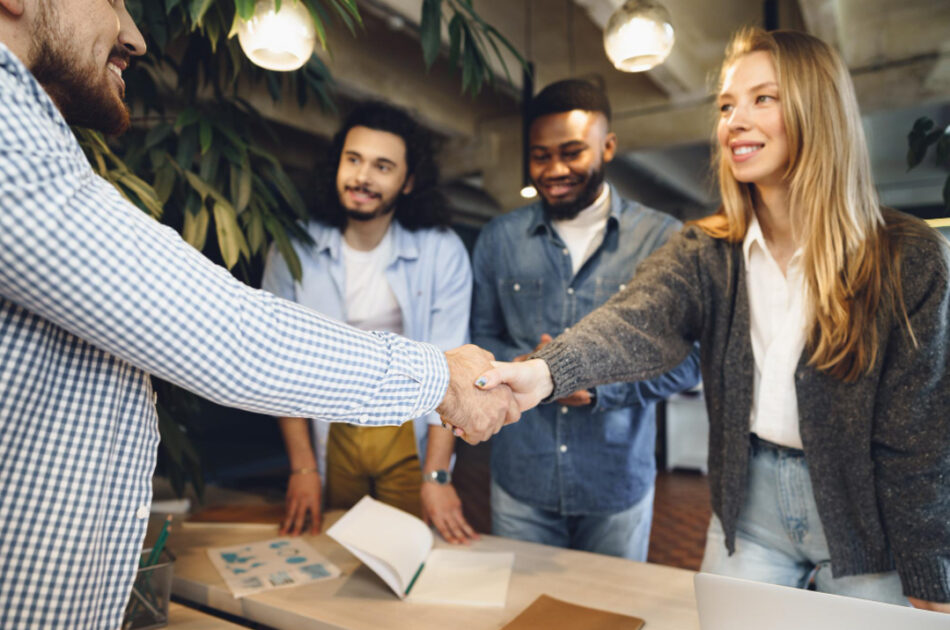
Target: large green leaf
{"x": 205, "y": 135}
{"x": 231, "y": 239}
{"x": 198, "y": 8}
{"x": 195, "y": 230}
{"x": 145, "y": 193}
{"x": 430, "y": 30}
{"x": 244, "y": 8}
{"x": 284, "y": 247}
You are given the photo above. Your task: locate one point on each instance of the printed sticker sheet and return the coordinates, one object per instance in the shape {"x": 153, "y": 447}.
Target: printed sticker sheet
{"x": 269, "y": 564}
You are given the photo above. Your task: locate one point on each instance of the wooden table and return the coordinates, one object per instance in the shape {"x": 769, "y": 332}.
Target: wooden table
{"x": 184, "y": 618}
{"x": 359, "y": 600}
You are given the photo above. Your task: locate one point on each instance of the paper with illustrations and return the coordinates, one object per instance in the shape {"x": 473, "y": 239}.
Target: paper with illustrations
{"x": 270, "y": 564}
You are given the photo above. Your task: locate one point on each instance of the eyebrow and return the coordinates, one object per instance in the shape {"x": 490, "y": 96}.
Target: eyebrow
{"x": 360, "y": 155}
{"x": 572, "y": 144}
{"x": 754, "y": 88}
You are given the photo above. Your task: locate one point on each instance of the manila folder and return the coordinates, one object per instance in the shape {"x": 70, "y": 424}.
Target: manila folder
{"x": 547, "y": 613}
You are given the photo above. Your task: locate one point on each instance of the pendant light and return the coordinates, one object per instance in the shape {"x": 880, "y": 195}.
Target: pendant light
{"x": 278, "y": 40}
{"x": 638, "y": 36}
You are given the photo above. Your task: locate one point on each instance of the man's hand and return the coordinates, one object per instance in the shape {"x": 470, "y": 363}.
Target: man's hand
{"x": 579, "y": 398}
{"x": 442, "y": 507}
{"x": 545, "y": 340}
{"x": 934, "y": 606}
{"x": 529, "y": 381}
{"x": 476, "y": 414}
{"x": 303, "y": 496}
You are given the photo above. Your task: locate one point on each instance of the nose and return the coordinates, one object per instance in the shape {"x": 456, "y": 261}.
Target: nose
{"x": 556, "y": 168}
{"x": 362, "y": 172}
{"x": 130, "y": 37}
{"x": 738, "y": 119}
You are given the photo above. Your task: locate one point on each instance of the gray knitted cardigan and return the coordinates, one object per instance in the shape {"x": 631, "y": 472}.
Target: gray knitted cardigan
{"x": 878, "y": 449}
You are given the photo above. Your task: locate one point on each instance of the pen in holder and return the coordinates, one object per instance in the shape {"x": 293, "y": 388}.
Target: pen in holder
{"x": 148, "y": 603}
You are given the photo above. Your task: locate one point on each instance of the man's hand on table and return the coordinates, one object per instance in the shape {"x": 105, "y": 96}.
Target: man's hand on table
{"x": 442, "y": 507}
{"x": 475, "y": 414}
{"x": 303, "y": 499}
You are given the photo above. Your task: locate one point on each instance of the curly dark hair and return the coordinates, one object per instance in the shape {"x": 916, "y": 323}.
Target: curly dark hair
{"x": 425, "y": 206}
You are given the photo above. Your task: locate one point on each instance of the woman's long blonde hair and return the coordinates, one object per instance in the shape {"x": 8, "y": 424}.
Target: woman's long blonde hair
{"x": 849, "y": 265}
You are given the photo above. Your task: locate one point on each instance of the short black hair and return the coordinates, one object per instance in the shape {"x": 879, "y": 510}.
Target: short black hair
{"x": 425, "y": 205}
{"x": 568, "y": 95}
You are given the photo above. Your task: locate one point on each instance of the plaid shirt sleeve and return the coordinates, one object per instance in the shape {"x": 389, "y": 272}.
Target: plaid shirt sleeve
{"x": 77, "y": 253}
{"x": 94, "y": 295}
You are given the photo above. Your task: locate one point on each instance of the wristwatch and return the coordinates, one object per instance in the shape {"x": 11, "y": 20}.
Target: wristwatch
{"x": 441, "y": 477}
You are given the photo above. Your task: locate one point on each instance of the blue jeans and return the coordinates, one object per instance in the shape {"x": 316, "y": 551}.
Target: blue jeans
{"x": 625, "y": 534}
{"x": 780, "y": 538}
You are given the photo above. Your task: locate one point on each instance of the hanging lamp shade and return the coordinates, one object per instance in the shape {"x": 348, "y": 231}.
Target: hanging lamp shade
{"x": 278, "y": 40}
{"x": 638, "y": 36}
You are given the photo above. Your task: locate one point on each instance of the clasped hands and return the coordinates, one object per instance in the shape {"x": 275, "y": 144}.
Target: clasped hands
{"x": 484, "y": 395}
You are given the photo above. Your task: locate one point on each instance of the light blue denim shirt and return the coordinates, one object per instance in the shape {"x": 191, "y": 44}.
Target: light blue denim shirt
{"x": 429, "y": 273}
{"x": 575, "y": 460}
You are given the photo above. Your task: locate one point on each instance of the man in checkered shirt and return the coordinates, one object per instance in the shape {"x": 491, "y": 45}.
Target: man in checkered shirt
{"x": 95, "y": 296}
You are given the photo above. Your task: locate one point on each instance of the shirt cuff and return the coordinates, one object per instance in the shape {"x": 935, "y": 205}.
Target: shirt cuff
{"x": 432, "y": 371}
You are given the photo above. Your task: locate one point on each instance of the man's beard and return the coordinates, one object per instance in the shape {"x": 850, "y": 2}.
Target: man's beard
{"x": 83, "y": 98}
{"x": 570, "y": 209}
{"x": 384, "y": 208}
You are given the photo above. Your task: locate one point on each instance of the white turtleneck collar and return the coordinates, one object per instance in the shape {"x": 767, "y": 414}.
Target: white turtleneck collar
{"x": 584, "y": 233}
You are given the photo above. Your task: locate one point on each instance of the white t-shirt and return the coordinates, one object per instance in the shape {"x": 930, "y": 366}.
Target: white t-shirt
{"x": 584, "y": 233}
{"x": 777, "y": 314}
{"x": 369, "y": 301}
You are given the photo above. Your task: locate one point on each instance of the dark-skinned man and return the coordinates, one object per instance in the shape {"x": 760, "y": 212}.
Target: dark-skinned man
{"x": 578, "y": 472}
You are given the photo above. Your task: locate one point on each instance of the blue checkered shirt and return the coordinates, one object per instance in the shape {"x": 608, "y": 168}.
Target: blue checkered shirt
{"x": 94, "y": 297}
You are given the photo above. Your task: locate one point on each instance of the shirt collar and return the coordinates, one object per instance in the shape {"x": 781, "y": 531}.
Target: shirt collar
{"x": 754, "y": 236}
{"x": 404, "y": 242}
{"x": 540, "y": 221}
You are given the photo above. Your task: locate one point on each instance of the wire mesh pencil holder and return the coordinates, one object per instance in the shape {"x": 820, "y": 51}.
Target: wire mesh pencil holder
{"x": 148, "y": 602}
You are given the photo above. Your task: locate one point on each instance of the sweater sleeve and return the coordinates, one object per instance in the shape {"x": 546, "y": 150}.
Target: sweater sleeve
{"x": 911, "y": 443}
{"x": 643, "y": 331}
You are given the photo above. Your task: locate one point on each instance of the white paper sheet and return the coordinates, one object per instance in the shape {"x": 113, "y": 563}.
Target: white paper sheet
{"x": 466, "y": 578}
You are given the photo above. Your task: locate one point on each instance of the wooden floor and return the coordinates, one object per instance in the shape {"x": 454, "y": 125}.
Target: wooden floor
{"x": 681, "y": 508}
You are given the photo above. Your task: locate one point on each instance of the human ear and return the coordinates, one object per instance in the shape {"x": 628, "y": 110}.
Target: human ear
{"x": 13, "y": 7}
{"x": 610, "y": 146}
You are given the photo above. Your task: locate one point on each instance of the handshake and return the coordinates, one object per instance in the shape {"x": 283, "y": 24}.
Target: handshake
{"x": 484, "y": 395}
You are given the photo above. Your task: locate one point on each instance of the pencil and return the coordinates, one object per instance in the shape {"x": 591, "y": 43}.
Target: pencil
{"x": 160, "y": 543}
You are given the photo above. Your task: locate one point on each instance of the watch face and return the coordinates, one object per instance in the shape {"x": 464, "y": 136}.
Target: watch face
{"x": 439, "y": 476}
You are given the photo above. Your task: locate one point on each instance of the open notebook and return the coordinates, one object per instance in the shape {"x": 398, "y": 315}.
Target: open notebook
{"x": 398, "y": 547}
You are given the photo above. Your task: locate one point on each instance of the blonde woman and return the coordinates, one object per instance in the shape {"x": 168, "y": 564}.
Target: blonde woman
{"x": 824, "y": 329}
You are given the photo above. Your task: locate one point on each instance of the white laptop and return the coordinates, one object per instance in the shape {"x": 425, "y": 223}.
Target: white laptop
{"x": 726, "y": 603}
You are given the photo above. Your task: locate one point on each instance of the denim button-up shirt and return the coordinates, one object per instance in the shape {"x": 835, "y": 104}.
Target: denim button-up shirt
{"x": 575, "y": 460}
